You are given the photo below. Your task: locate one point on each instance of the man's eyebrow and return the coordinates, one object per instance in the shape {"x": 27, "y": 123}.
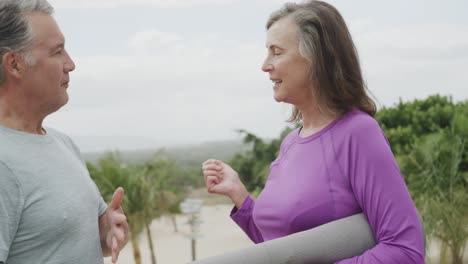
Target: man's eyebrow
{"x": 57, "y": 47}
{"x": 273, "y": 46}
{"x": 60, "y": 45}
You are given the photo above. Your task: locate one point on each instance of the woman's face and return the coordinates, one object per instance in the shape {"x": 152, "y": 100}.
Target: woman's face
{"x": 288, "y": 70}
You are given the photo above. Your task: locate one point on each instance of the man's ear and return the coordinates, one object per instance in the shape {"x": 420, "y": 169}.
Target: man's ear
{"x": 13, "y": 64}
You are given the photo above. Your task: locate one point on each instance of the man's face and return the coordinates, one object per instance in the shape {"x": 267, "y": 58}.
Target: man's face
{"x": 46, "y": 80}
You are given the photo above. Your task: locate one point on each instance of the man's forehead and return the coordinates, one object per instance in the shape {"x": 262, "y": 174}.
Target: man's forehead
{"x": 45, "y": 30}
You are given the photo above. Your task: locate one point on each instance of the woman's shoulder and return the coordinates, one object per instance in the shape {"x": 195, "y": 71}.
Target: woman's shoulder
{"x": 289, "y": 139}
{"x": 291, "y": 135}
{"x": 357, "y": 122}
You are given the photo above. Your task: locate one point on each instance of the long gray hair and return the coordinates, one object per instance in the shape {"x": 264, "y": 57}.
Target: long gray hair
{"x": 325, "y": 41}
{"x": 15, "y": 30}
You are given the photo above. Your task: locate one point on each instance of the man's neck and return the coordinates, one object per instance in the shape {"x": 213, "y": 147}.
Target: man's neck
{"x": 18, "y": 116}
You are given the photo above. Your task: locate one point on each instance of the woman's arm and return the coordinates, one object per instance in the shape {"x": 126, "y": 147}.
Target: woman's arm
{"x": 381, "y": 192}
{"x": 243, "y": 217}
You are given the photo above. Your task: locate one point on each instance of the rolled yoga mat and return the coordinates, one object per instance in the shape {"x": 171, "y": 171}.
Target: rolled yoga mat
{"x": 328, "y": 243}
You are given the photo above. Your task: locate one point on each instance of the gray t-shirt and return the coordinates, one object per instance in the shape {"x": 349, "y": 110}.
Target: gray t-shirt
{"x": 49, "y": 206}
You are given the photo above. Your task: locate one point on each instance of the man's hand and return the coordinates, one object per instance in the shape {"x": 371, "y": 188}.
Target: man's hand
{"x": 113, "y": 227}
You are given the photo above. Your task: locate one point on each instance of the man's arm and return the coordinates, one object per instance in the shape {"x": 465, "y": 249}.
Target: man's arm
{"x": 113, "y": 227}
{"x": 11, "y": 206}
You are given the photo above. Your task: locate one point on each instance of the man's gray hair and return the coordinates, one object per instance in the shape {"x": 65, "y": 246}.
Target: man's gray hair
{"x": 15, "y": 30}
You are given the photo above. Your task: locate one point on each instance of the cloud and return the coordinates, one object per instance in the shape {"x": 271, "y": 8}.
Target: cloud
{"x": 416, "y": 42}
{"x": 170, "y": 57}
{"x": 413, "y": 61}
{"x": 135, "y": 3}
{"x": 172, "y": 85}
{"x": 178, "y": 83}
{"x": 160, "y": 42}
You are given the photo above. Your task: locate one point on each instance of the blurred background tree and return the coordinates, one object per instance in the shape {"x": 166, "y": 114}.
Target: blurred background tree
{"x": 152, "y": 189}
{"x": 428, "y": 138}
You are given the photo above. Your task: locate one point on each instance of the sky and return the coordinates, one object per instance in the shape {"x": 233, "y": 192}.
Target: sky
{"x": 158, "y": 73}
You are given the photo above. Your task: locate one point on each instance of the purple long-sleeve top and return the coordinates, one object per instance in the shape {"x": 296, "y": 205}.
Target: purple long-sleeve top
{"x": 344, "y": 169}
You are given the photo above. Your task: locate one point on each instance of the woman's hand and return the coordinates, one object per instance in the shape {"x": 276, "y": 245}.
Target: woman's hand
{"x": 220, "y": 178}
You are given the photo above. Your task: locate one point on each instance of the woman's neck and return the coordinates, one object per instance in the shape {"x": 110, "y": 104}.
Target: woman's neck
{"x": 314, "y": 120}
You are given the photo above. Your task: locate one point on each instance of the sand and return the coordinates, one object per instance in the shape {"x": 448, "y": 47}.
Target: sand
{"x": 218, "y": 235}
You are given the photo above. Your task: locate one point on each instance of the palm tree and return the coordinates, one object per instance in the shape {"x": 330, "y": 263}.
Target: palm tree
{"x": 152, "y": 189}
{"x": 112, "y": 173}
{"x": 161, "y": 175}
{"x": 439, "y": 188}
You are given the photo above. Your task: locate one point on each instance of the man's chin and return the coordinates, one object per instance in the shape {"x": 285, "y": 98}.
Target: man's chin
{"x": 277, "y": 98}
{"x": 60, "y": 104}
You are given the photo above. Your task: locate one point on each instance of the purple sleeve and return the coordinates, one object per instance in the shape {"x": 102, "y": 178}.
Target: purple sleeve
{"x": 381, "y": 192}
{"x": 243, "y": 218}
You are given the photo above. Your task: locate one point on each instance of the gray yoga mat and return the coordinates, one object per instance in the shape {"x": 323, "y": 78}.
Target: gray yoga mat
{"x": 328, "y": 243}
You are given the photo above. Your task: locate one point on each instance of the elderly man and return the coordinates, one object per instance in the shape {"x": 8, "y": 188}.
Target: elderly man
{"x": 50, "y": 209}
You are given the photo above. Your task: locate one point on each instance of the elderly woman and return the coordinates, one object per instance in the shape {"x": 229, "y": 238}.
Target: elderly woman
{"x": 339, "y": 162}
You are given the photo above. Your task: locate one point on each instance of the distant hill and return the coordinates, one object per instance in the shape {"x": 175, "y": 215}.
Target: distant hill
{"x": 185, "y": 156}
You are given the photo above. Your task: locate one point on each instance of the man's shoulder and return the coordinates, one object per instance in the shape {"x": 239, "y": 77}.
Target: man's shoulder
{"x": 9, "y": 142}
{"x": 60, "y": 136}
{"x": 64, "y": 138}
{"x": 56, "y": 133}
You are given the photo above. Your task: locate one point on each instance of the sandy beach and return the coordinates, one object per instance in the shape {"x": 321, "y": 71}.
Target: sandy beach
{"x": 218, "y": 235}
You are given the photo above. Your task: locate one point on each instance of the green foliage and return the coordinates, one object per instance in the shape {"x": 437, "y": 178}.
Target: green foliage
{"x": 429, "y": 139}
{"x": 406, "y": 122}
{"x": 188, "y": 158}
{"x": 460, "y": 128}
{"x": 253, "y": 165}
{"x": 111, "y": 173}
{"x": 169, "y": 182}
{"x": 439, "y": 188}
{"x": 152, "y": 189}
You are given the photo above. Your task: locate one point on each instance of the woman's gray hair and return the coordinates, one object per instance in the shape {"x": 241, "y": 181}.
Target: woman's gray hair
{"x": 15, "y": 30}
{"x": 325, "y": 42}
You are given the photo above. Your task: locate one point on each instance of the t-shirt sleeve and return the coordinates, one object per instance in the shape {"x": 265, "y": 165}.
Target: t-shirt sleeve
{"x": 102, "y": 203}
{"x": 102, "y": 206}
{"x": 11, "y": 205}
{"x": 69, "y": 142}
{"x": 380, "y": 190}
{"x": 243, "y": 218}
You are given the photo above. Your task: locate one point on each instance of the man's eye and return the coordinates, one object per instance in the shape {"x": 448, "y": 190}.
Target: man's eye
{"x": 276, "y": 52}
